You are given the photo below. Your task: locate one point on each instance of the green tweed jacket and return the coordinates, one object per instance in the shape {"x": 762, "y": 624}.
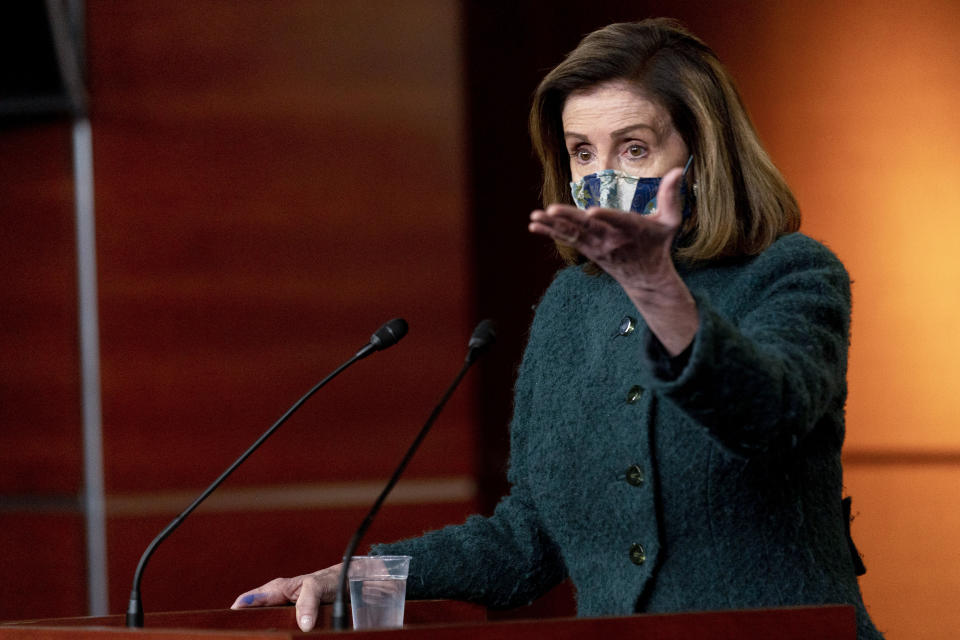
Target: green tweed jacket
{"x": 717, "y": 488}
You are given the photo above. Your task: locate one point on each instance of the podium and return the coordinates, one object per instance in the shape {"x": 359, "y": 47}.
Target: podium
{"x": 449, "y": 620}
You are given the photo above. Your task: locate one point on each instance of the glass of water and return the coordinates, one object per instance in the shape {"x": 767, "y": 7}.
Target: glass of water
{"x": 378, "y": 589}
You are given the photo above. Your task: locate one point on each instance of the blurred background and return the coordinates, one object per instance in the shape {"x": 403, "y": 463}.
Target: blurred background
{"x": 269, "y": 182}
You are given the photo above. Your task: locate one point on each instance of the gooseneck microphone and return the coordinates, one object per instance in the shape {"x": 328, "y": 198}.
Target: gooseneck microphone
{"x": 386, "y": 336}
{"x": 483, "y": 336}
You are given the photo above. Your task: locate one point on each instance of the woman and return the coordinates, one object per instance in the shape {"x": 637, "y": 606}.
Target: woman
{"x": 678, "y": 415}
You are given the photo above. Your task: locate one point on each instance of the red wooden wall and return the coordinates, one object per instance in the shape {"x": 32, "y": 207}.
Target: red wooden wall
{"x": 41, "y": 528}
{"x": 273, "y": 182}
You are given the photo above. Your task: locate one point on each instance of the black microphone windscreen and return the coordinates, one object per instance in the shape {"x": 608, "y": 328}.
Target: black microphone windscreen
{"x": 389, "y": 334}
{"x": 484, "y": 335}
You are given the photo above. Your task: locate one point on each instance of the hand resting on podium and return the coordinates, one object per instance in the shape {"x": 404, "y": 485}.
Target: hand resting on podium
{"x": 307, "y": 591}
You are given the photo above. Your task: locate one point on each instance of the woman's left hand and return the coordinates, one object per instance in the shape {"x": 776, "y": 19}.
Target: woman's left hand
{"x": 636, "y": 251}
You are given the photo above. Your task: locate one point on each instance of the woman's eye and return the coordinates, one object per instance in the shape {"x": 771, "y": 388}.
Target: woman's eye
{"x": 636, "y": 151}
{"x": 582, "y": 155}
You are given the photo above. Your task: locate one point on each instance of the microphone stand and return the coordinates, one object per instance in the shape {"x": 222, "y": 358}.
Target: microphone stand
{"x": 477, "y": 345}
{"x": 379, "y": 341}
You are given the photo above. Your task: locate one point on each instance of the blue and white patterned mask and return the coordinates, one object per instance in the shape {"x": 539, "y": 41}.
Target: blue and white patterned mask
{"x": 612, "y": 189}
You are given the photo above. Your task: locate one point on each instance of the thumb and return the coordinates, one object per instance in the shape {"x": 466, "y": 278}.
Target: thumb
{"x": 308, "y": 605}
{"x": 669, "y": 204}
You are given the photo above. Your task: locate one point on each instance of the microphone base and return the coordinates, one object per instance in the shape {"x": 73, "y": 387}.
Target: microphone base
{"x": 134, "y": 620}
{"x": 338, "y": 620}
{"x": 134, "y": 607}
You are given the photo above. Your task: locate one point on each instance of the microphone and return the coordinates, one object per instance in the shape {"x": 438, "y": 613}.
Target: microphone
{"x": 483, "y": 336}
{"x": 386, "y": 336}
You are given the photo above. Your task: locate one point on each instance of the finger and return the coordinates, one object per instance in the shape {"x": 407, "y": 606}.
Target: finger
{"x": 562, "y": 230}
{"x": 565, "y": 233}
{"x": 308, "y": 603}
{"x": 669, "y": 205}
{"x": 276, "y": 592}
{"x": 556, "y": 212}
{"x": 565, "y": 210}
{"x": 585, "y": 231}
{"x": 250, "y": 599}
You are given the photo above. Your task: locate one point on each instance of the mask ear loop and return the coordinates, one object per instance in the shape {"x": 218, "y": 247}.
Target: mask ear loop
{"x": 683, "y": 188}
{"x": 686, "y": 210}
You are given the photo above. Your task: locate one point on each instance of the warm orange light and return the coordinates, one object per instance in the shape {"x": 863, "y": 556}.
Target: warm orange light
{"x": 863, "y": 119}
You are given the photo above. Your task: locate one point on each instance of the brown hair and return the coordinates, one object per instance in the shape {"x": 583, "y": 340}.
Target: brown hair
{"x": 743, "y": 203}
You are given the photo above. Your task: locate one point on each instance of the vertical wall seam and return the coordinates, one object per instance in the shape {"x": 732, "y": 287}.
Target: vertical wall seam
{"x": 93, "y": 492}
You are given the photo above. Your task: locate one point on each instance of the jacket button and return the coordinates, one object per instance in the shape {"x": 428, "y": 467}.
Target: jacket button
{"x": 637, "y": 555}
{"x": 627, "y": 325}
{"x": 635, "y": 475}
{"x": 636, "y": 391}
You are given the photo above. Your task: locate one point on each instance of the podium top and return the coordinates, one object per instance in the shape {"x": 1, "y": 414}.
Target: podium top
{"x": 450, "y": 620}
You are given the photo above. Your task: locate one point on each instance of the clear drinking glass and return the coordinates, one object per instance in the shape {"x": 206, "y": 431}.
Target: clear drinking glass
{"x": 378, "y": 590}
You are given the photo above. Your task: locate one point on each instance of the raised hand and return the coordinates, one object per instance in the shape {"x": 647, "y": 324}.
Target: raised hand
{"x": 636, "y": 251}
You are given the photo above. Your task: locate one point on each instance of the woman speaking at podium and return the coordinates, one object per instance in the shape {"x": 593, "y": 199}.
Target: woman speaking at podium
{"x": 679, "y": 411}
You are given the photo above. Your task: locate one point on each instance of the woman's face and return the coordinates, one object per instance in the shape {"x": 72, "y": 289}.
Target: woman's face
{"x": 612, "y": 126}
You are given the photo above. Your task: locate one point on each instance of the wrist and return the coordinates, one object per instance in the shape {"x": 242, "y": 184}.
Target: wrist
{"x": 669, "y": 310}
{"x": 664, "y": 290}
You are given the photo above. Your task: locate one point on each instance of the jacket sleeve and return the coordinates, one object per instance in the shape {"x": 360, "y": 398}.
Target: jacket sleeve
{"x": 762, "y": 377}
{"x": 502, "y": 561}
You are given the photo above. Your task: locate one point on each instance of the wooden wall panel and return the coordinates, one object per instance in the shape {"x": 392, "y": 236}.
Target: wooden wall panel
{"x": 274, "y": 181}
{"x": 42, "y": 568}
{"x": 40, "y": 449}
{"x": 41, "y": 532}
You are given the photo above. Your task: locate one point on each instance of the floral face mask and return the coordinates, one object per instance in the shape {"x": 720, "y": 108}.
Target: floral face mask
{"x": 612, "y": 189}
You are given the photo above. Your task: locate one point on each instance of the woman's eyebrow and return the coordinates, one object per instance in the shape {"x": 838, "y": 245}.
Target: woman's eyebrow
{"x": 573, "y": 134}
{"x": 633, "y": 127}
{"x": 617, "y": 133}
{"x": 614, "y": 134}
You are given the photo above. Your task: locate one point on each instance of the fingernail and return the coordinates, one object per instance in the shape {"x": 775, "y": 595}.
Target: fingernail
{"x": 306, "y": 623}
